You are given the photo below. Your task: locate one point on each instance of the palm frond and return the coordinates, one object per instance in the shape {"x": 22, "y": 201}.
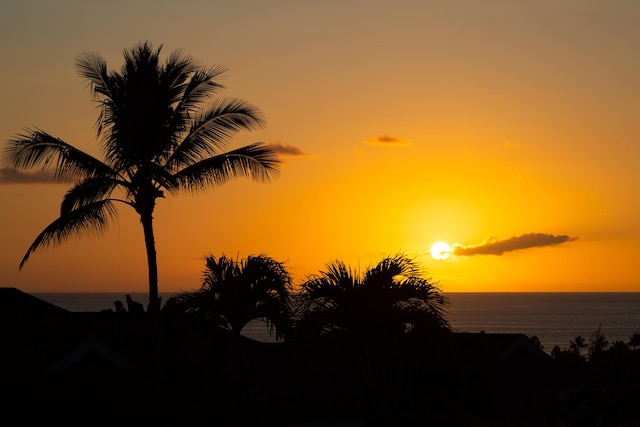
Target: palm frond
{"x": 177, "y": 69}
{"x": 86, "y": 192}
{"x": 37, "y": 148}
{"x": 92, "y": 67}
{"x": 88, "y": 220}
{"x": 339, "y": 275}
{"x": 214, "y": 128}
{"x": 257, "y": 162}
{"x": 199, "y": 88}
{"x": 188, "y": 86}
{"x": 385, "y": 272}
{"x": 103, "y": 85}
{"x": 160, "y": 176}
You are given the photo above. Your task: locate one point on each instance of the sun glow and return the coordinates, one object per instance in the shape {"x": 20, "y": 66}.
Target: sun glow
{"x": 440, "y": 250}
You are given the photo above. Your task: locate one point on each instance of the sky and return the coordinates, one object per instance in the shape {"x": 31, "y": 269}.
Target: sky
{"x": 509, "y": 130}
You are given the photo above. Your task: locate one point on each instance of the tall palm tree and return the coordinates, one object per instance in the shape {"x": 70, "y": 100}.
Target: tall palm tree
{"x": 389, "y": 299}
{"x": 234, "y": 292}
{"x": 160, "y": 130}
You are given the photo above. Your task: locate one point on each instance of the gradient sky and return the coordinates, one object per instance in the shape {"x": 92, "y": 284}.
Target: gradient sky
{"x": 508, "y": 129}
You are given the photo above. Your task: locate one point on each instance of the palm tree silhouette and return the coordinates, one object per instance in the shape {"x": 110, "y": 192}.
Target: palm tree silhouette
{"x": 598, "y": 343}
{"x": 634, "y": 341}
{"x": 390, "y": 299}
{"x": 160, "y": 130}
{"x": 234, "y": 292}
{"x": 577, "y": 345}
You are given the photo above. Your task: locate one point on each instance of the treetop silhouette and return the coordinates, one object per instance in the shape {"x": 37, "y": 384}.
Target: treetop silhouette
{"x": 389, "y": 299}
{"x": 235, "y": 292}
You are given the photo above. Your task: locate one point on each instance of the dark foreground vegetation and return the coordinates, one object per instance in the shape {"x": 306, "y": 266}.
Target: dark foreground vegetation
{"x": 123, "y": 369}
{"x": 370, "y": 349}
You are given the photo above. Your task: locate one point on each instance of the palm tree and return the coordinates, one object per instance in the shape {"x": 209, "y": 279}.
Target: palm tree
{"x": 634, "y": 340}
{"x": 577, "y": 345}
{"x": 390, "y": 299}
{"x": 160, "y": 130}
{"x": 598, "y": 343}
{"x": 234, "y": 292}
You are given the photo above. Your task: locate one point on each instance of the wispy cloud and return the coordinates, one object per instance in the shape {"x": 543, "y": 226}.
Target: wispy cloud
{"x": 387, "y": 141}
{"x": 287, "y": 150}
{"x": 511, "y": 144}
{"x": 494, "y": 246}
{"x": 11, "y": 176}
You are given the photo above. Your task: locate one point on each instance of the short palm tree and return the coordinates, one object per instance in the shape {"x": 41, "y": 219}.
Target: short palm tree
{"x": 390, "y": 299}
{"x": 234, "y": 292}
{"x": 577, "y": 345}
{"x": 634, "y": 341}
{"x": 160, "y": 130}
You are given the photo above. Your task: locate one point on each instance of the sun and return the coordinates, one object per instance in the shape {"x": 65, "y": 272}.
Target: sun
{"x": 440, "y": 250}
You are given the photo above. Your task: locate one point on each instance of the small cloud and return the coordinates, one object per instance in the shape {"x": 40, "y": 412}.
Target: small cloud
{"x": 287, "y": 150}
{"x": 12, "y": 176}
{"x": 387, "y": 141}
{"x": 511, "y": 144}
{"x": 494, "y": 246}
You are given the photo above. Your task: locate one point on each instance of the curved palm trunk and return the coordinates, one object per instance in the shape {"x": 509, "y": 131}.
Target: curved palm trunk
{"x": 150, "y": 244}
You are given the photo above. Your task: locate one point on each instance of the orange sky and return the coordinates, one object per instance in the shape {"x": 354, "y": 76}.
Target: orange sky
{"x": 468, "y": 122}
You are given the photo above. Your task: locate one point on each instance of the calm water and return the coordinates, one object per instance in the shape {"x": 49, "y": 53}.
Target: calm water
{"x": 555, "y": 318}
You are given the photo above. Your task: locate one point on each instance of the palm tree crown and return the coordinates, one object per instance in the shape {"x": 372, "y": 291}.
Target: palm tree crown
{"x": 160, "y": 130}
{"x": 390, "y": 299}
{"x": 235, "y": 292}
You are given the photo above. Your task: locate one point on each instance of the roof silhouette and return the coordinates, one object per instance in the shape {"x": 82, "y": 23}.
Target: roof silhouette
{"x": 15, "y": 304}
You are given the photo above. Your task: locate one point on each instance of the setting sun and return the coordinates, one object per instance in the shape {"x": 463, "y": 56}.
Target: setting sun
{"x": 440, "y": 250}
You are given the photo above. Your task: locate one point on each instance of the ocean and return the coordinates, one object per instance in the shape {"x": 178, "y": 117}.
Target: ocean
{"x": 555, "y": 318}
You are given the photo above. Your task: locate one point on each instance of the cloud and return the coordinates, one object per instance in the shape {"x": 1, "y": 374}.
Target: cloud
{"x": 493, "y": 246}
{"x": 11, "y": 176}
{"x": 287, "y": 150}
{"x": 387, "y": 141}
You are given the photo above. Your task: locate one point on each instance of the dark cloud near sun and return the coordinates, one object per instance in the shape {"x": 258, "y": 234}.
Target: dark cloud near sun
{"x": 287, "y": 150}
{"x": 11, "y": 176}
{"x": 494, "y": 246}
{"x": 387, "y": 141}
